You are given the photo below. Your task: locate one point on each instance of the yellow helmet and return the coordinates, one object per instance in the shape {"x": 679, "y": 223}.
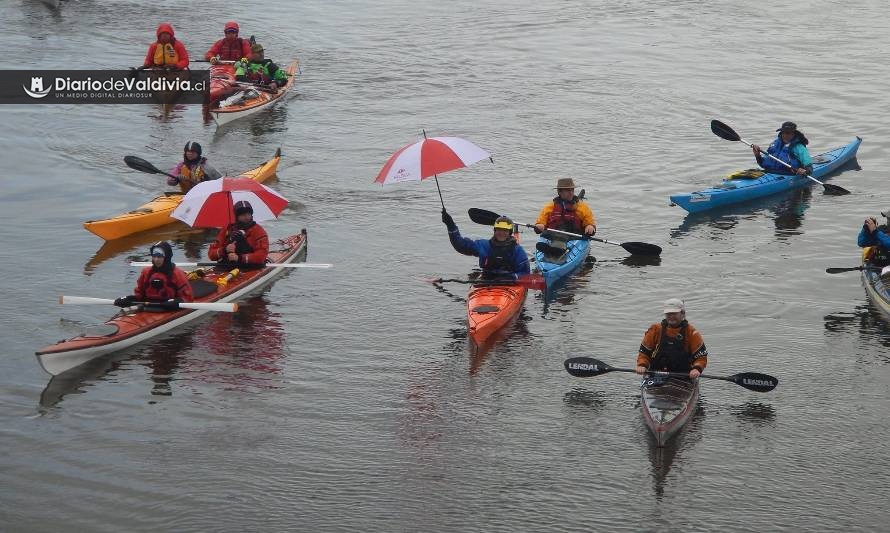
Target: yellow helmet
{"x": 503, "y": 223}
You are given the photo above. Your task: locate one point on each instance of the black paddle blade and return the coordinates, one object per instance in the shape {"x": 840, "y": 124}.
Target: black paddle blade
{"x": 834, "y": 190}
{"x": 137, "y": 163}
{"x": 754, "y": 381}
{"x": 641, "y": 248}
{"x": 482, "y": 216}
{"x": 838, "y": 270}
{"x": 723, "y": 131}
{"x": 586, "y": 367}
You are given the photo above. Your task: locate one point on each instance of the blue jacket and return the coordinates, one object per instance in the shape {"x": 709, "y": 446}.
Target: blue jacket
{"x": 794, "y": 153}
{"x": 481, "y": 248}
{"x": 878, "y": 238}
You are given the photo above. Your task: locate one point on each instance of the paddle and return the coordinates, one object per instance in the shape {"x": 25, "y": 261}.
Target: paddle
{"x": 203, "y": 306}
{"x": 137, "y": 163}
{"x": 482, "y": 216}
{"x": 220, "y": 62}
{"x": 725, "y": 132}
{"x": 241, "y": 265}
{"x": 838, "y": 270}
{"x": 530, "y": 281}
{"x": 586, "y": 367}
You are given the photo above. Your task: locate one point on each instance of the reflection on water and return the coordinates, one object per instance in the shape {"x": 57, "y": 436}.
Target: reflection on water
{"x": 190, "y": 240}
{"x": 753, "y": 411}
{"x": 593, "y": 400}
{"x": 516, "y": 328}
{"x": 663, "y": 459}
{"x": 865, "y": 321}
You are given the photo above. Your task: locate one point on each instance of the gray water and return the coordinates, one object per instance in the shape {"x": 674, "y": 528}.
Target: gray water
{"x": 351, "y": 399}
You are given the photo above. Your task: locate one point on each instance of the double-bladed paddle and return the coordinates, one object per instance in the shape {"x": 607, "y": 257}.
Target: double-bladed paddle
{"x": 838, "y": 270}
{"x": 137, "y": 163}
{"x": 531, "y": 281}
{"x": 203, "y": 306}
{"x": 240, "y": 265}
{"x": 482, "y": 216}
{"x": 725, "y": 132}
{"x": 587, "y": 367}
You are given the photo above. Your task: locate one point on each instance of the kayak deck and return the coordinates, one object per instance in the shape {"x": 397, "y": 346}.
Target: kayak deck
{"x": 156, "y": 213}
{"x": 877, "y": 290}
{"x": 667, "y": 404}
{"x": 223, "y": 114}
{"x": 132, "y": 326}
{"x": 489, "y": 308}
{"x": 553, "y": 269}
{"x": 732, "y": 191}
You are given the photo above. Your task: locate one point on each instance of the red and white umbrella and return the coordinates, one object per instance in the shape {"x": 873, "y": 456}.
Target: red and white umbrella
{"x": 209, "y": 204}
{"x": 429, "y": 157}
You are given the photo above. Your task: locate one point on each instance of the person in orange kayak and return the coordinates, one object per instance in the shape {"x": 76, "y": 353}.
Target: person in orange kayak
{"x": 167, "y": 52}
{"x": 229, "y": 48}
{"x": 673, "y": 345}
{"x": 566, "y": 212}
{"x": 500, "y": 257}
{"x": 193, "y": 169}
{"x": 244, "y": 242}
{"x": 163, "y": 283}
{"x": 259, "y": 70}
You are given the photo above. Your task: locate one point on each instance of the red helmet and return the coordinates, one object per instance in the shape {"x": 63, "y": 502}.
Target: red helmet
{"x": 231, "y": 25}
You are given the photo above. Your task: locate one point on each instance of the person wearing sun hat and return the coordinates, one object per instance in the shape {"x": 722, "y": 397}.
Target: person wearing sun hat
{"x": 244, "y": 242}
{"x": 566, "y": 212}
{"x": 162, "y": 283}
{"x": 673, "y": 345}
{"x": 259, "y": 70}
{"x": 500, "y": 257}
{"x": 790, "y": 145}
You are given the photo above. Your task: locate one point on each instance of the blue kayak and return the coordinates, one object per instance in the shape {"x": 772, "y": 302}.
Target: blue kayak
{"x": 553, "y": 269}
{"x": 732, "y": 191}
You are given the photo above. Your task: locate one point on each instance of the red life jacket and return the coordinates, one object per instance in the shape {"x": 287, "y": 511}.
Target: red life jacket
{"x": 564, "y": 216}
{"x": 157, "y": 291}
{"x": 231, "y": 50}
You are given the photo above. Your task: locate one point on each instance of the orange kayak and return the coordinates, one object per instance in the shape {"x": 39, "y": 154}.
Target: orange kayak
{"x": 248, "y": 101}
{"x": 490, "y": 307}
{"x": 156, "y": 213}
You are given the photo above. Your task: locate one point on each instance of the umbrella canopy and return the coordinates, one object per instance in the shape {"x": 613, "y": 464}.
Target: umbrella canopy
{"x": 209, "y": 204}
{"x": 428, "y": 157}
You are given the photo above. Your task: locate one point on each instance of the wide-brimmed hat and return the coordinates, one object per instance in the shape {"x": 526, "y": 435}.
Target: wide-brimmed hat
{"x": 565, "y": 183}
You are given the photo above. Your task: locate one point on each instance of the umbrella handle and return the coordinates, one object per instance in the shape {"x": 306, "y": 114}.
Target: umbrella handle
{"x": 440, "y": 191}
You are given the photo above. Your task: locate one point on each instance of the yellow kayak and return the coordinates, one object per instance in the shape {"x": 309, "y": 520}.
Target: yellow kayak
{"x": 156, "y": 213}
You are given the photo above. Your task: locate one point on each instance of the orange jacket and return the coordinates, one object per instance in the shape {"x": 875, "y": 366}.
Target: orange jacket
{"x": 255, "y": 237}
{"x": 229, "y": 50}
{"x": 582, "y": 210}
{"x": 179, "y": 53}
{"x": 693, "y": 343}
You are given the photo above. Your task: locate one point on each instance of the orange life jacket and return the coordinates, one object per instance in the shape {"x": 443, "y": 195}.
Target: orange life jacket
{"x": 165, "y": 54}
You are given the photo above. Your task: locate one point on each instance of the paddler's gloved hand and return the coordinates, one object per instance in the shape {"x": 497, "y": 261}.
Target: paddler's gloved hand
{"x": 449, "y": 222}
{"x": 539, "y": 228}
{"x": 125, "y": 301}
{"x": 172, "y": 181}
{"x": 590, "y": 230}
{"x": 214, "y": 60}
{"x": 170, "y": 304}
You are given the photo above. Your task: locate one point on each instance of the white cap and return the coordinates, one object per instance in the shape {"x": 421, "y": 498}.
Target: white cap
{"x": 674, "y": 305}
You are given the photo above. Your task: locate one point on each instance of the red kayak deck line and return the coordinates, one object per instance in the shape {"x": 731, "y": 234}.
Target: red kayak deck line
{"x": 134, "y": 327}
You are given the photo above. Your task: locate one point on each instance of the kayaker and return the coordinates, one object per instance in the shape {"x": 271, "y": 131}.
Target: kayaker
{"x": 163, "y": 283}
{"x": 244, "y": 242}
{"x": 229, "y": 48}
{"x": 259, "y": 70}
{"x": 790, "y": 146}
{"x": 673, "y": 345}
{"x": 193, "y": 169}
{"x": 566, "y": 212}
{"x": 167, "y": 52}
{"x": 876, "y": 240}
{"x": 500, "y": 257}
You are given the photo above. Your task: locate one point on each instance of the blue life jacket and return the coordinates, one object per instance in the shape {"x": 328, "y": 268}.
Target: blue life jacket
{"x": 784, "y": 152}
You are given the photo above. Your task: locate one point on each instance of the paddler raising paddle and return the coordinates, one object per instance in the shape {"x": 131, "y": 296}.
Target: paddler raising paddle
{"x": 500, "y": 257}
{"x": 790, "y": 146}
{"x": 673, "y": 345}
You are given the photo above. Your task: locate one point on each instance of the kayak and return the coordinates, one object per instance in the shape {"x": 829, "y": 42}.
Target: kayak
{"x": 222, "y": 81}
{"x": 668, "y": 403}
{"x": 132, "y": 326}
{"x": 876, "y": 289}
{"x": 490, "y": 307}
{"x": 555, "y": 268}
{"x": 156, "y": 213}
{"x": 732, "y": 191}
{"x": 249, "y": 100}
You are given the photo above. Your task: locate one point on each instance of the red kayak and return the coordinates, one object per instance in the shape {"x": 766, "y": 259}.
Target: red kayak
{"x": 222, "y": 81}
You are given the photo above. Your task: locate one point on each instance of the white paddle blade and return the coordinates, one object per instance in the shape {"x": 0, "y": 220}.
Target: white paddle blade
{"x": 210, "y": 306}
{"x": 84, "y": 300}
